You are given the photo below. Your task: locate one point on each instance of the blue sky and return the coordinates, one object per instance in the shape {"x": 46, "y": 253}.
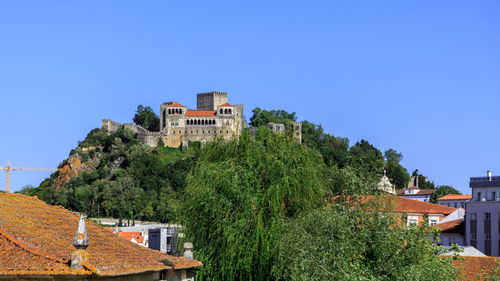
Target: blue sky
{"x": 421, "y": 77}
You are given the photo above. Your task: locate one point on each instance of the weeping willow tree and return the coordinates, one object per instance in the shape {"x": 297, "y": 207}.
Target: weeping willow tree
{"x": 238, "y": 197}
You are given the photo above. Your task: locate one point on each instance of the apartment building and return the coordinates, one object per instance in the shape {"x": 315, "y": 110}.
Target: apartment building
{"x": 482, "y": 228}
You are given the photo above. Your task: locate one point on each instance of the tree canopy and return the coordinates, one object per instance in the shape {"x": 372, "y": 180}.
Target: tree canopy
{"x": 146, "y": 118}
{"x": 442, "y": 191}
{"x": 238, "y": 196}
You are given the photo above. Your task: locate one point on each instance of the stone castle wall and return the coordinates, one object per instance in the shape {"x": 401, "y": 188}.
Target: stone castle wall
{"x": 143, "y": 135}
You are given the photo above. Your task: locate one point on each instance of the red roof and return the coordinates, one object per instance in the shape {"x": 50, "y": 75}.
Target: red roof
{"x": 175, "y": 104}
{"x": 137, "y": 236}
{"x": 454, "y": 225}
{"x": 406, "y": 205}
{"x": 36, "y": 239}
{"x": 226, "y": 104}
{"x": 200, "y": 113}
{"x": 401, "y": 192}
{"x": 455, "y": 197}
{"x": 472, "y": 267}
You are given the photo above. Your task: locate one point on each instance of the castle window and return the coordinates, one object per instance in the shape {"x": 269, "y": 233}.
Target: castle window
{"x": 203, "y": 131}
{"x": 220, "y": 111}
{"x": 191, "y": 132}
{"x": 225, "y": 111}
{"x": 179, "y": 132}
{"x": 229, "y": 110}
{"x": 164, "y": 115}
{"x": 169, "y": 111}
{"x": 209, "y": 131}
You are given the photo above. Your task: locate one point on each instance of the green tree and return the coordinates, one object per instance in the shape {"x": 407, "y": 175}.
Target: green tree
{"x": 364, "y": 157}
{"x": 238, "y": 196}
{"x": 442, "y": 191}
{"x": 145, "y": 117}
{"x": 397, "y": 174}
{"x": 363, "y": 241}
{"x": 262, "y": 117}
{"x": 335, "y": 150}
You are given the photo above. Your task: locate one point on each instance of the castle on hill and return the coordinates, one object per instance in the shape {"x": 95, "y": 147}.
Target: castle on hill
{"x": 214, "y": 117}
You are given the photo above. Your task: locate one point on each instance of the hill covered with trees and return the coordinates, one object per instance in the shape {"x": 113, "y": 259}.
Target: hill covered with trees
{"x": 117, "y": 176}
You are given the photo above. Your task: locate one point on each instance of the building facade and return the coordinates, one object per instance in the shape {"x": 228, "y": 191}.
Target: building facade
{"x": 482, "y": 228}
{"x": 416, "y": 193}
{"x": 214, "y": 117}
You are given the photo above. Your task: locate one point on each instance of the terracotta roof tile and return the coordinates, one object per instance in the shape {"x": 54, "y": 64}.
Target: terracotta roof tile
{"x": 45, "y": 231}
{"x": 225, "y": 104}
{"x": 455, "y": 197}
{"x": 200, "y": 113}
{"x": 472, "y": 267}
{"x": 406, "y": 205}
{"x": 454, "y": 225}
{"x": 175, "y": 104}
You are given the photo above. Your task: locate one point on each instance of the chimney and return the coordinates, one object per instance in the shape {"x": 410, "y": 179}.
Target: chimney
{"x": 80, "y": 242}
{"x": 488, "y": 173}
{"x": 188, "y": 253}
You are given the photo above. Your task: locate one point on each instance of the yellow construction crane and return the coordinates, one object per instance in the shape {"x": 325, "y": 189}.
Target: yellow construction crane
{"x": 9, "y": 168}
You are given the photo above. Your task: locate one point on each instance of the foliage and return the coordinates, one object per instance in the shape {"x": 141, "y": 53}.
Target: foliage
{"x": 335, "y": 150}
{"x": 238, "y": 196}
{"x": 396, "y": 173}
{"x": 442, "y": 191}
{"x": 423, "y": 183}
{"x": 263, "y": 117}
{"x": 367, "y": 159}
{"x": 130, "y": 181}
{"x": 145, "y": 117}
{"x": 357, "y": 242}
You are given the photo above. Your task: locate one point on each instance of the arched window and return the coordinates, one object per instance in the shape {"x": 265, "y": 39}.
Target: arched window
{"x": 180, "y": 111}
{"x": 176, "y": 111}
{"x": 220, "y": 111}
{"x": 169, "y": 111}
{"x": 225, "y": 111}
{"x": 229, "y": 111}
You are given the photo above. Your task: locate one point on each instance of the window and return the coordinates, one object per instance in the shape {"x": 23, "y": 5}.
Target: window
{"x": 493, "y": 196}
{"x": 412, "y": 220}
{"x": 463, "y": 205}
{"x": 455, "y": 204}
{"x": 487, "y": 236}
{"x": 487, "y": 216}
{"x": 473, "y": 216}
{"x": 479, "y": 196}
{"x": 448, "y": 204}
{"x": 473, "y": 236}
{"x": 433, "y": 221}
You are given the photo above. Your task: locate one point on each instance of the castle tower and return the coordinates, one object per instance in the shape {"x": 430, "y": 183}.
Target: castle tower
{"x": 210, "y": 100}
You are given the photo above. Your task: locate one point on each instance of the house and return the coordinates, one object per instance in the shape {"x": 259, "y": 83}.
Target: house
{"x": 36, "y": 243}
{"x": 482, "y": 225}
{"x": 452, "y": 232}
{"x": 416, "y": 210}
{"x": 454, "y": 200}
{"x": 416, "y": 193}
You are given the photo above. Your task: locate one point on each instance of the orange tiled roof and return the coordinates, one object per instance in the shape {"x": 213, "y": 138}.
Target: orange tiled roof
{"x": 472, "y": 267}
{"x": 129, "y": 235}
{"x": 406, "y": 205}
{"x": 452, "y": 225}
{"x": 455, "y": 197}
{"x": 403, "y": 205}
{"x": 175, "y": 104}
{"x": 200, "y": 113}
{"x": 225, "y": 104}
{"x": 40, "y": 237}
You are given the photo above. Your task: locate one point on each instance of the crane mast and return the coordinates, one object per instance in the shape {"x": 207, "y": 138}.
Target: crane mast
{"x": 9, "y": 168}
